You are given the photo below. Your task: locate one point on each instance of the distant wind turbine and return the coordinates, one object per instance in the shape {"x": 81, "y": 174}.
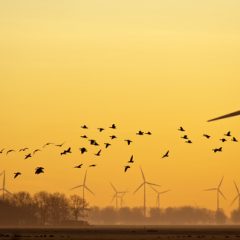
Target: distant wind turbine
{"x": 237, "y": 197}
{"x": 144, "y": 184}
{"x": 158, "y": 196}
{"x": 3, "y": 189}
{"x": 83, "y": 186}
{"x": 219, "y": 192}
{"x": 233, "y": 114}
{"x": 117, "y": 195}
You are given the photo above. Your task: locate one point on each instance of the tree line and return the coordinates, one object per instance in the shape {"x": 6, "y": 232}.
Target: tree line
{"x": 56, "y": 209}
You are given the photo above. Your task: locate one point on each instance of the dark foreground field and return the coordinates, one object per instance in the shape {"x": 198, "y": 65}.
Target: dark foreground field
{"x": 123, "y": 233}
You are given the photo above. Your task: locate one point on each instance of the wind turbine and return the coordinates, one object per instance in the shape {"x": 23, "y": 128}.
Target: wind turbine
{"x": 158, "y": 195}
{"x": 3, "y": 189}
{"x": 233, "y": 114}
{"x": 144, "y": 184}
{"x": 219, "y": 192}
{"x": 116, "y": 195}
{"x": 237, "y": 197}
{"x": 83, "y": 186}
{"x": 121, "y": 199}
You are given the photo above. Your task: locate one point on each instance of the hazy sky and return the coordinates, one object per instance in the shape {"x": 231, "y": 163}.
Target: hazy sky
{"x": 149, "y": 65}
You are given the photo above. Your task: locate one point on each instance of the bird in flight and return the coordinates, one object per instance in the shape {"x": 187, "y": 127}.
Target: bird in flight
{"x": 101, "y": 129}
{"x": 228, "y": 134}
{"x": 131, "y": 160}
{"x": 36, "y": 150}
{"x": 84, "y": 136}
{"x": 223, "y": 139}
{"x": 98, "y": 153}
{"x": 113, "y": 126}
{"x": 9, "y": 151}
{"x": 47, "y": 144}
{"x": 181, "y": 129}
{"x": 166, "y": 154}
{"x": 2, "y": 150}
{"x": 126, "y": 168}
{"x": 128, "y": 141}
{"x": 28, "y": 156}
{"x": 23, "y": 149}
{"x": 140, "y": 132}
{"x": 93, "y": 142}
{"x": 113, "y": 137}
{"x": 234, "y": 139}
{"x": 148, "y": 133}
{"x": 233, "y": 114}
{"x": 188, "y": 141}
{"x": 92, "y": 165}
{"x": 185, "y": 137}
{"x": 84, "y": 127}
{"x": 39, "y": 170}
{"x": 78, "y": 166}
{"x": 66, "y": 151}
{"x": 83, "y": 150}
{"x": 206, "y": 136}
{"x": 17, "y": 174}
{"x": 59, "y": 145}
{"x": 217, "y": 149}
{"x": 107, "y": 145}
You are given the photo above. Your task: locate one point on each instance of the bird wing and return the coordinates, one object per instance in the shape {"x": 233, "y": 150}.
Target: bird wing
{"x": 233, "y": 114}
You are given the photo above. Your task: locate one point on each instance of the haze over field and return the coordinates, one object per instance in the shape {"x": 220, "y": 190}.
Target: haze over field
{"x": 143, "y": 65}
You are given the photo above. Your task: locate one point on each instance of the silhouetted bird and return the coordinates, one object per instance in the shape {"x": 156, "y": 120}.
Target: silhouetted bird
{"x": 223, "y": 139}
{"x": 59, "y": 145}
{"x": 84, "y": 136}
{"x": 83, "y": 150}
{"x": 107, "y": 145}
{"x": 9, "y": 151}
{"x": 126, "y": 168}
{"x": 185, "y": 137}
{"x": 23, "y": 149}
{"x": 140, "y": 132}
{"x": 148, "y": 133}
{"x": 92, "y": 141}
{"x": 113, "y": 137}
{"x": 101, "y": 129}
{"x": 17, "y": 174}
{"x": 84, "y": 127}
{"x": 206, "y": 136}
{"x": 217, "y": 149}
{"x": 92, "y": 165}
{"x": 188, "y": 141}
{"x": 2, "y": 150}
{"x": 234, "y": 139}
{"x": 166, "y": 155}
{"x": 47, "y": 144}
{"x": 98, "y": 153}
{"x": 131, "y": 160}
{"x": 113, "y": 126}
{"x": 66, "y": 151}
{"x": 78, "y": 166}
{"x": 28, "y": 156}
{"x": 96, "y": 144}
{"x": 36, "y": 150}
{"x": 39, "y": 170}
{"x": 228, "y": 134}
{"x": 181, "y": 129}
{"x": 128, "y": 141}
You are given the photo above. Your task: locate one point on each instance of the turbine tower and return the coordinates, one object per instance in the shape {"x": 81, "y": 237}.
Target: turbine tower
{"x": 219, "y": 192}
{"x": 237, "y": 197}
{"x": 83, "y": 186}
{"x": 233, "y": 114}
{"x": 3, "y": 189}
{"x": 121, "y": 199}
{"x": 158, "y": 196}
{"x": 144, "y": 185}
{"x": 117, "y": 195}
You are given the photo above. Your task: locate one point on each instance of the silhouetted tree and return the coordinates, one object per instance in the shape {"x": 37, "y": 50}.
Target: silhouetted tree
{"x": 76, "y": 205}
{"x": 235, "y": 216}
{"x": 220, "y": 217}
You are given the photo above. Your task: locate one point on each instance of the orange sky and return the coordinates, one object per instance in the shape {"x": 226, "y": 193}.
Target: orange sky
{"x": 152, "y": 65}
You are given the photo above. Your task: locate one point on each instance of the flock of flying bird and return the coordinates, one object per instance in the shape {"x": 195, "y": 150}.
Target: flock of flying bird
{"x": 94, "y": 142}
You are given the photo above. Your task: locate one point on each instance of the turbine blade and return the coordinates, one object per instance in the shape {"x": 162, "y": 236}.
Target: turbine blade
{"x": 114, "y": 189}
{"x": 222, "y": 194}
{"x": 76, "y": 187}
{"x": 138, "y": 188}
{"x": 219, "y": 185}
{"x": 89, "y": 190}
{"x": 164, "y": 191}
{"x": 234, "y": 200}
{"x": 153, "y": 189}
{"x": 114, "y": 196}
{"x": 153, "y": 184}
{"x": 7, "y": 191}
{"x": 85, "y": 177}
{"x": 143, "y": 175}
{"x": 210, "y": 189}
{"x": 233, "y": 114}
{"x": 236, "y": 187}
